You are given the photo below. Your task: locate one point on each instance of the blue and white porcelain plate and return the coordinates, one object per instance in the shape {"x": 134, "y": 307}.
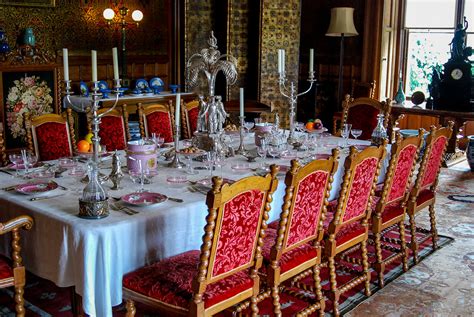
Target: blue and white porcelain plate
{"x": 141, "y": 84}
{"x": 84, "y": 89}
{"x": 156, "y": 82}
{"x": 103, "y": 85}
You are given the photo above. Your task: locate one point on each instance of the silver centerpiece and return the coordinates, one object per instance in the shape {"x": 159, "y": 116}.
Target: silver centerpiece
{"x": 94, "y": 201}
{"x": 116, "y": 174}
{"x": 212, "y": 114}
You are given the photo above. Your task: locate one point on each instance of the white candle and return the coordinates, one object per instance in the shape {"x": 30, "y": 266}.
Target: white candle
{"x": 279, "y": 61}
{"x": 241, "y": 102}
{"x": 94, "y": 65}
{"x": 177, "y": 109}
{"x": 282, "y": 61}
{"x": 311, "y": 60}
{"x": 65, "y": 64}
{"x": 115, "y": 63}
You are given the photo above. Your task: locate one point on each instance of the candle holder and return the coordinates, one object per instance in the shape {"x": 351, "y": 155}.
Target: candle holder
{"x": 241, "y": 150}
{"x": 292, "y": 95}
{"x": 94, "y": 201}
{"x": 176, "y": 163}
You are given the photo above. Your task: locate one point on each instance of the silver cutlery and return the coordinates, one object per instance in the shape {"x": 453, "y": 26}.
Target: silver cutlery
{"x": 119, "y": 207}
{"x": 44, "y": 197}
{"x": 178, "y": 200}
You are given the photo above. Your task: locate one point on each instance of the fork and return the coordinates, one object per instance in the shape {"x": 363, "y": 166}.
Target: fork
{"x": 126, "y": 210}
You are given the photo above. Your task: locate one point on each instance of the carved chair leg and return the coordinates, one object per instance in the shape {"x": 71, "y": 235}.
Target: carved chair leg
{"x": 365, "y": 265}
{"x": 254, "y": 306}
{"x": 414, "y": 243}
{"x": 403, "y": 245}
{"x": 276, "y": 301}
{"x": 317, "y": 287}
{"x": 131, "y": 310}
{"x": 434, "y": 231}
{"x": 19, "y": 301}
{"x": 333, "y": 282}
{"x": 379, "y": 265}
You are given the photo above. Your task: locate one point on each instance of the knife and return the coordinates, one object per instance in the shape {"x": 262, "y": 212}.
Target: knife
{"x": 44, "y": 197}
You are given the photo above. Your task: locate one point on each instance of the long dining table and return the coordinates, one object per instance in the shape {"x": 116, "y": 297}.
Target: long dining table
{"x": 93, "y": 255}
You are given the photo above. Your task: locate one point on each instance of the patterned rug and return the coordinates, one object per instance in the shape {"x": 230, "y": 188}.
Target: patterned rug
{"x": 43, "y": 298}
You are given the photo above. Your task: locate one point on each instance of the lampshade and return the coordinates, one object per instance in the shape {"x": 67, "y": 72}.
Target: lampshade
{"x": 342, "y": 22}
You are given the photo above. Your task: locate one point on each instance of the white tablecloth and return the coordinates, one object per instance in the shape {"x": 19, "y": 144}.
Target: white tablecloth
{"x": 93, "y": 255}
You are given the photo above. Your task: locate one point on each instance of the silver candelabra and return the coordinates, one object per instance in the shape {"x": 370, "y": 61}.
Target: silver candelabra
{"x": 94, "y": 201}
{"x": 176, "y": 163}
{"x": 241, "y": 150}
{"x": 290, "y": 92}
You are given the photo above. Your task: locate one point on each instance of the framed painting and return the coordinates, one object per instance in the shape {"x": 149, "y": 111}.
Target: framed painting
{"x": 28, "y": 91}
{"x": 29, "y": 3}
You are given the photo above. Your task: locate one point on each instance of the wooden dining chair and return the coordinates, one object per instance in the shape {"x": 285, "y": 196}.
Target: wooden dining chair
{"x": 50, "y": 136}
{"x": 114, "y": 132}
{"x": 13, "y": 274}
{"x": 156, "y": 118}
{"x": 390, "y": 203}
{"x": 362, "y": 114}
{"x": 189, "y": 117}
{"x": 423, "y": 193}
{"x": 3, "y": 151}
{"x": 294, "y": 246}
{"x": 224, "y": 272}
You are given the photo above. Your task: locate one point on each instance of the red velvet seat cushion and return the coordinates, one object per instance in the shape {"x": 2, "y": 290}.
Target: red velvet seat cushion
{"x": 424, "y": 196}
{"x": 288, "y": 259}
{"x": 170, "y": 281}
{"x": 347, "y": 232}
{"x": 390, "y": 211}
{"x": 6, "y": 270}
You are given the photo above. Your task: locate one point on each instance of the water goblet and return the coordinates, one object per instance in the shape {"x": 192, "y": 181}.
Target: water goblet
{"x": 78, "y": 171}
{"x": 274, "y": 150}
{"x": 356, "y": 133}
{"x": 248, "y": 126}
{"x": 16, "y": 160}
{"x": 345, "y": 132}
{"x": 262, "y": 152}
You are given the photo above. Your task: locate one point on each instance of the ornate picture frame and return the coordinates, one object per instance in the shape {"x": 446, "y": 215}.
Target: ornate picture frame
{"x": 29, "y": 3}
{"x": 33, "y": 90}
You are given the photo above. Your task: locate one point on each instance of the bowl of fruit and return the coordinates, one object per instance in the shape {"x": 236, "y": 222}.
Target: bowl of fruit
{"x": 315, "y": 126}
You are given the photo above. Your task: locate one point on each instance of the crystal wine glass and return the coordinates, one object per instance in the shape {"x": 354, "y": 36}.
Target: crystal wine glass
{"x": 345, "y": 132}
{"x": 16, "y": 160}
{"x": 262, "y": 152}
{"x": 356, "y": 133}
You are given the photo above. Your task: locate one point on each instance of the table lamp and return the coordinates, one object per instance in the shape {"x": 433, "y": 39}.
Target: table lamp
{"x": 342, "y": 24}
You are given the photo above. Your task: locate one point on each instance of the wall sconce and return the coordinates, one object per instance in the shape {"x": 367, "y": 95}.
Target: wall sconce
{"x": 137, "y": 16}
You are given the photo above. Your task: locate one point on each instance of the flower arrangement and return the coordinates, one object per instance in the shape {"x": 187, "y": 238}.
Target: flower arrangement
{"x": 28, "y": 94}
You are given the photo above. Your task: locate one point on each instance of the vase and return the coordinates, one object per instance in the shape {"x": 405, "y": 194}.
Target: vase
{"x": 400, "y": 96}
{"x": 29, "y": 37}
{"x": 470, "y": 152}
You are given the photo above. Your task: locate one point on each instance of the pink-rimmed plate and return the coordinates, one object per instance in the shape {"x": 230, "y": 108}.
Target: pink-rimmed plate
{"x": 22, "y": 166}
{"x": 144, "y": 198}
{"x": 241, "y": 167}
{"x": 208, "y": 181}
{"x": 35, "y": 188}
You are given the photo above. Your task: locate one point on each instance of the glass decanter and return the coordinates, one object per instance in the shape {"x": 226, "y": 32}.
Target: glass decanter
{"x": 380, "y": 133}
{"x": 94, "y": 191}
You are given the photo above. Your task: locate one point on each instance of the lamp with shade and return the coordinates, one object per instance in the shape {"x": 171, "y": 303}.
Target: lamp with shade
{"x": 341, "y": 25}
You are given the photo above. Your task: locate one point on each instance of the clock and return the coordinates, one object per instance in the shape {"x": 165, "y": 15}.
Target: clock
{"x": 456, "y": 74}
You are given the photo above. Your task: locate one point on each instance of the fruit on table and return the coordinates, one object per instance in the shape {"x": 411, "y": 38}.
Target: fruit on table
{"x": 318, "y": 124}
{"x": 88, "y": 137}
{"x": 83, "y": 146}
{"x": 315, "y": 124}
{"x": 310, "y": 125}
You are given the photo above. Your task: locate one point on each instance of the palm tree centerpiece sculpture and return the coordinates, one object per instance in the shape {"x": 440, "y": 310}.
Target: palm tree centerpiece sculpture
{"x": 212, "y": 114}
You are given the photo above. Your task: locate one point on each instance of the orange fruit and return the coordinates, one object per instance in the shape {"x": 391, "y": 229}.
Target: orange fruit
{"x": 310, "y": 125}
{"x": 83, "y": 146}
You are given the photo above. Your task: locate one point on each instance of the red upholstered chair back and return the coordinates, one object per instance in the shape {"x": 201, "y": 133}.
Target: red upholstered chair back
{"x": 403, "y": 157}
{"x": 305, "y": 201}
{"x": 190, "y": 113}
{"x": 50, "y": 136}
{"x": 432, "y": 159}
{"x": 361, "y": 171}
{"x": 234, "y": 230}
{"x": 362, "y": 114}
{"x": 113, "y": 128}
{"x": 156, "y": 118}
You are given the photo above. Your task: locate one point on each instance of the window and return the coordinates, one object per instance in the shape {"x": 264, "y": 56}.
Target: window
{"x": 429, "y": 28}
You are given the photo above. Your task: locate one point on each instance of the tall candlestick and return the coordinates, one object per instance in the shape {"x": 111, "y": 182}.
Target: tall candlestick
{"x": 283, "y": 61}
{"x": 177, "y": 110}
{"x": 311, "y": 60}
{"x": 241, "y": 102}
{"x": 66, "y": 64}
{"x": 115, "y": 63}
{"x": 279, "y": 61}
{"x": 94, "y": 65}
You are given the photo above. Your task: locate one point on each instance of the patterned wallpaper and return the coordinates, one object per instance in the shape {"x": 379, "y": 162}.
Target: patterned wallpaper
{"x": 79, "y": 25}
{"x": 280, "y": 29}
